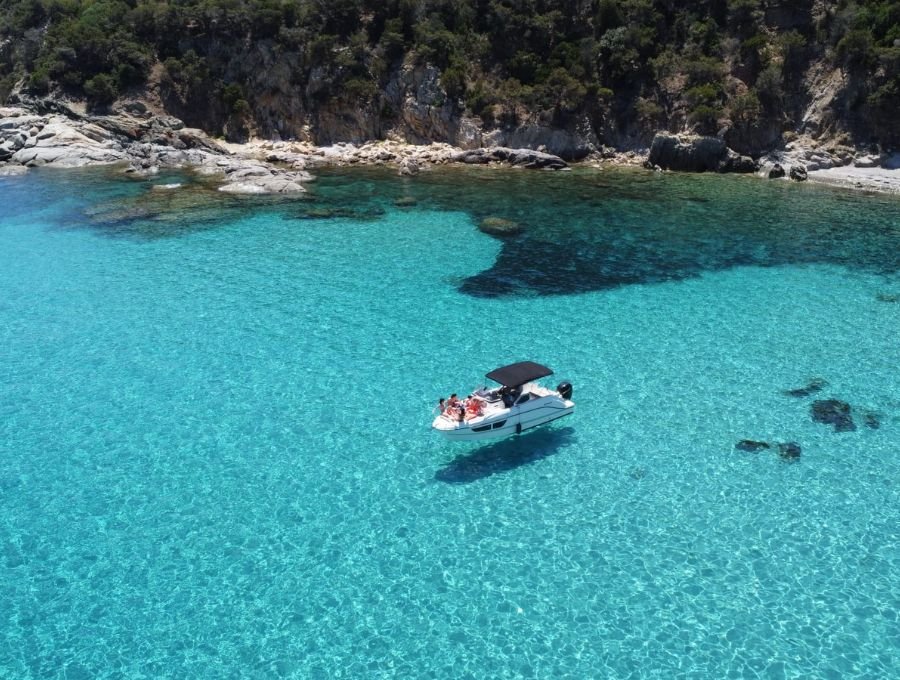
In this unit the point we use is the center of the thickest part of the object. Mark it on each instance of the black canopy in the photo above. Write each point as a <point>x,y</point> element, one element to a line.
<point>518,374</point>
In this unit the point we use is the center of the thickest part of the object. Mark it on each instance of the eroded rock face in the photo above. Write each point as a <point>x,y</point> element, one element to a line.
<point>574,142</point>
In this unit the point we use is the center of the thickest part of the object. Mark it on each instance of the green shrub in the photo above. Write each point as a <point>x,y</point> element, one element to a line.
<point>745,108</point>
<point>453,80</point>
<point>7,83</point>
<point>359,90</point>
<point>707,94</point>
<point>855,50</point>
<point>704,70</point>
<point>101,90</point>
<point>649,113</point>
<point>705,118</point>
<point>770,88</point>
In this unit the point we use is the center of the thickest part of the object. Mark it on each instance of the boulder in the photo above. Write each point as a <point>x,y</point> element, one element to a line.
<point>74,156</point>
<point>798,173</point>
<point>409,167</point>
<point>833,412</point>
<point>264,185</point>
<point>526,158</point>
<point>734,162</point>
<point>776,171</point>
<point>688,153</point>
<point>529,158</point>
<point>498,226</point>
<point>134,108</point>
<point>868,161</point>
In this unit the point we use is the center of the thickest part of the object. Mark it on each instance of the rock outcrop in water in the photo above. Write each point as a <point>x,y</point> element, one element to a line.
<point>54,135</point>
<point>692,153</point>
<point>63,138</point>
<point>499,226</point>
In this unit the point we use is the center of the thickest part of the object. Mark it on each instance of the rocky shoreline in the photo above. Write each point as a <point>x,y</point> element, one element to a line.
<point>56,135</point>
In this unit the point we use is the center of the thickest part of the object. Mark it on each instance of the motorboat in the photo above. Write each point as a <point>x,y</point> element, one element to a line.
<point>519,404</point>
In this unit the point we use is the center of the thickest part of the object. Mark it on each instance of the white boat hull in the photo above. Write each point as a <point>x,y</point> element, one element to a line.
<point>499,421</point>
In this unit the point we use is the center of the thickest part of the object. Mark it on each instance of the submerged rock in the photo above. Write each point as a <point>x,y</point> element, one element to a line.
<point>815,385</point>
<point>498,226</point>
<point>789,450</point>
<point>872,420</point>
<point>405,202</point>
<point>325,213</point>
<point>888,297</point>
<point>833,412</point>
<point>751,446</point>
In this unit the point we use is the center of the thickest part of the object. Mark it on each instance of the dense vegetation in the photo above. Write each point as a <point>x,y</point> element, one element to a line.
<point>627,66</point>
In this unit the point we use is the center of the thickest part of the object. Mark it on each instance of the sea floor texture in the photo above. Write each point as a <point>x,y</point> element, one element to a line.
<point>216,461</point>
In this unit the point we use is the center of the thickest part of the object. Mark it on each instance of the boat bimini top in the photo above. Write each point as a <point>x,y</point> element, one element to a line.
<point>518,374</point>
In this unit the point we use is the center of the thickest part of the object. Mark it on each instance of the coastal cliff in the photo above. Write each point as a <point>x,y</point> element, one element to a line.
<point>573,77</point>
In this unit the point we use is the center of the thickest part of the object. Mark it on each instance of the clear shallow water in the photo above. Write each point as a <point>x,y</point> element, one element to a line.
<point>214,448</point>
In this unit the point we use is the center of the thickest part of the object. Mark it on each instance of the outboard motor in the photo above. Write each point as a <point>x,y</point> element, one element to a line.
<point>565,390</point>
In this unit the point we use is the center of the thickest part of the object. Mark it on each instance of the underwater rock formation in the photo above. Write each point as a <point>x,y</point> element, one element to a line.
<point>872,421</point>
<point>815,385</point>
<point>751,446</point>
<point>498,226</point>
<point>833,412</point>
<point>789,450</point>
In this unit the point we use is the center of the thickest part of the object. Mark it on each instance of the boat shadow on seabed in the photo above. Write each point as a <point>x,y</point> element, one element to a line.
<point>505,455</point>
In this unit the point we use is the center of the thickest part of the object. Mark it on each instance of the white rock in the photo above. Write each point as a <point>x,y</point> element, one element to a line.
<point>66,156</point>
<point>12,170</point>
<point>271,185</point>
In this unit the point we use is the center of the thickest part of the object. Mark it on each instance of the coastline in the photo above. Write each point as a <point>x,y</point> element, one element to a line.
<point>144,143</point>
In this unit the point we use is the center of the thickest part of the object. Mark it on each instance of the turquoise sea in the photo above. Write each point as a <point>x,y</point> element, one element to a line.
<point>216,462</point>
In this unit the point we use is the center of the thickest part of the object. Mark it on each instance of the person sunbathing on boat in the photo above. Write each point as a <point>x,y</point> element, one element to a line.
<point>474,407</point>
